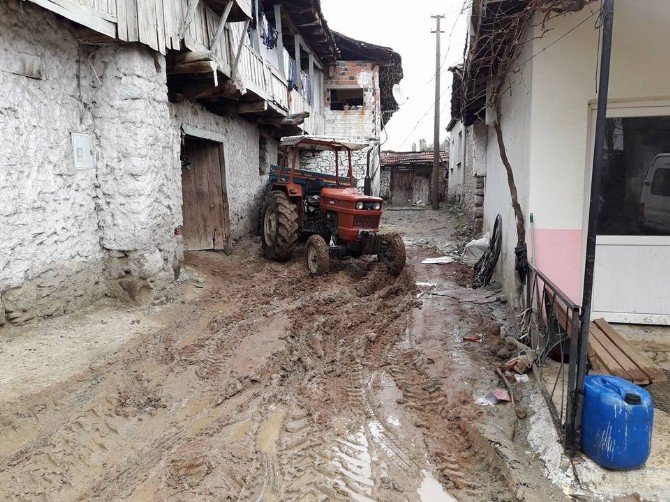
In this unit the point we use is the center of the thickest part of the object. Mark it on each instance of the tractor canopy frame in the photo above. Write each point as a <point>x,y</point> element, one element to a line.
<point>293,144</point>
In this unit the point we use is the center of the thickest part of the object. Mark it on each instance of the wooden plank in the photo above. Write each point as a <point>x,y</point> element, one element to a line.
<point>160,26</point>
<point>146,22</point>
<point>239,51</point>
<point>635,374</point>
<point>215,195</point>
<point>609,363</point>
<point>132,19</point>
<point>188,18</point>
<point>189,201</point>
<point>122,22</point>
<point>647,366</point>
<point>596,363</point>
<point>214,45</point>
<point>80,15</point>
<point>197,132</point>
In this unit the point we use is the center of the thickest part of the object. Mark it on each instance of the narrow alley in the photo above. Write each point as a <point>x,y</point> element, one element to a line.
<point>266,383</point>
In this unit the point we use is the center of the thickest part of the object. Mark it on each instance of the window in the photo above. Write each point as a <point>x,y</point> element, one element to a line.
<point>345,99</point>
<point>636,177</point>
<point>660,185</point>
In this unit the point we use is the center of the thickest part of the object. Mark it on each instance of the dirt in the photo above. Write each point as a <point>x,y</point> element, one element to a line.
<point>261,382</point>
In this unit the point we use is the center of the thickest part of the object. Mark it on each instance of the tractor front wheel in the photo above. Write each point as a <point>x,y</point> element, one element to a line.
<point>318,255</point>
<point>279,226</point>
<point>393,253</point>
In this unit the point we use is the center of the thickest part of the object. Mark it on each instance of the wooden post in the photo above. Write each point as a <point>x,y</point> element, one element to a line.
<point>222,25</point>
<point>280,40</point>
<point>298,71</point>
<point>258,27</point>
<point>233,69</point>
<point>190,14</point>
<point>311,76</point>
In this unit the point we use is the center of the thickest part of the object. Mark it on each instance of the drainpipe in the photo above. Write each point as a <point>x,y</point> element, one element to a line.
<point>579,346</point>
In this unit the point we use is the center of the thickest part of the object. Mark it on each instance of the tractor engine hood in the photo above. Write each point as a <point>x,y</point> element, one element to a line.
<point>349,195</point>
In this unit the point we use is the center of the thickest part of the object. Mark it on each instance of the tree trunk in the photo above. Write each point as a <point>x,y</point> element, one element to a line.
<point>518,213</point>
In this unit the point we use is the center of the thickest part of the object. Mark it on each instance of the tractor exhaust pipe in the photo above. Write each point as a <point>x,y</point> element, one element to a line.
<point>367,186</point>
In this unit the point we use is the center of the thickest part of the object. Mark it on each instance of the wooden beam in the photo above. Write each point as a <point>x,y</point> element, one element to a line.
<point>96,21</point>
<point>190,14</point>
<point>205,90</point>
<point>233,69</point>
<point>189,57</point>
<point>193,67</point>
<point>259,106</point>
<point>198,132</point>
<point>295,119</point>
<point>280,40</point>
<point>214,46</point>
<point>298,70</point>
<point>311,76</point>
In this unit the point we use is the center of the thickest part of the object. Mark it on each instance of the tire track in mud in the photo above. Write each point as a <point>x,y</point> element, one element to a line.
<point>276,388</point>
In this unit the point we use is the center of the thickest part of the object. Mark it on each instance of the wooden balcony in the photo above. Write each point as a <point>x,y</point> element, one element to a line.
<point>202,51</point>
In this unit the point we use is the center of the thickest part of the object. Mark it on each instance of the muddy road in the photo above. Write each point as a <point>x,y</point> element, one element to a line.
<point>264,383</point>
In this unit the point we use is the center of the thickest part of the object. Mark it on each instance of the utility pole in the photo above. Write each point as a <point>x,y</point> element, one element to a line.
<point>435,182</point>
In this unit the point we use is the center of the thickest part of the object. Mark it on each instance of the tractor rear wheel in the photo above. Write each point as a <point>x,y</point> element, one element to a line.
<point>279,226</point>
<point>318,255</point>
<point>393,253</point>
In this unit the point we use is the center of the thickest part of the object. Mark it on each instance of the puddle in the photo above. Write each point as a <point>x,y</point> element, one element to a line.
<point>393,421</point>
<point>431,490</point>
<point>355,465</point>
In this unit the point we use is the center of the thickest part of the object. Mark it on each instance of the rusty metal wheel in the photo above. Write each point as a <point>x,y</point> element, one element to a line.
<point>318,255</point>
<point>393,253</point>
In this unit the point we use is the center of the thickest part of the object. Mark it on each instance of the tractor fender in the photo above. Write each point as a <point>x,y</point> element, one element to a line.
<point>295,195</point>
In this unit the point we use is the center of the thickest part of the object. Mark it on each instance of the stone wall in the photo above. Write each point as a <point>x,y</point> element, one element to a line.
<point>138,206</point>
<point>49,225</point>
<point>467,171</point>
<point>72,235</point>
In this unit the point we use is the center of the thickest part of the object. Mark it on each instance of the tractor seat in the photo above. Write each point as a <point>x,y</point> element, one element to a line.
<point>314,187</point>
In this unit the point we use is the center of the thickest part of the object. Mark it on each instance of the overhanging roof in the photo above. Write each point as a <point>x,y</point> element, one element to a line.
<point>322,143</point>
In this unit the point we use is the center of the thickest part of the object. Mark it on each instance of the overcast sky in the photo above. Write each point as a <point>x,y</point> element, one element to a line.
<point>406,27</point>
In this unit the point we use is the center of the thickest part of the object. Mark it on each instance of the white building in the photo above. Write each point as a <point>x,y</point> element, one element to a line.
<point>547,121</point>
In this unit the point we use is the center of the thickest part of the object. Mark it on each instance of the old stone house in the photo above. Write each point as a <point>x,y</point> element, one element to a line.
<point>467,173</point>
<point>132,131</point>
<point>358,102</point>
<point>406,177</point>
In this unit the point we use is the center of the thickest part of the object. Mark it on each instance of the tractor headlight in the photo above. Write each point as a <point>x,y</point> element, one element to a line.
<point>376,206</point>
<point>360,205</point>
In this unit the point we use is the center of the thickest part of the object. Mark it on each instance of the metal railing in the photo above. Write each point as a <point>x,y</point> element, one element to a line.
<point>551,328</point>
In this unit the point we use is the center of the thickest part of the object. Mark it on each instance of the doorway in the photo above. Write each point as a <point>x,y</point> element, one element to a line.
<point>410,186</point>
<point>206,223</point>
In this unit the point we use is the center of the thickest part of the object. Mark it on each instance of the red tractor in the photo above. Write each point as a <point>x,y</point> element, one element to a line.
<point>328,209</point>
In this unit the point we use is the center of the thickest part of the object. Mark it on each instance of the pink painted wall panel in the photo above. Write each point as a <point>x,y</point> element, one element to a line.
<point>558,254</point>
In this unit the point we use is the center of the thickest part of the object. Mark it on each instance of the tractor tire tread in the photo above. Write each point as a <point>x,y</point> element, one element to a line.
<point>287,226</point>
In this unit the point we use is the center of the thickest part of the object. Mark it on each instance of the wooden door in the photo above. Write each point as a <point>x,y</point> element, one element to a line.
<point>410,186</point>
<point>401,187</point>
<point>205,204</point>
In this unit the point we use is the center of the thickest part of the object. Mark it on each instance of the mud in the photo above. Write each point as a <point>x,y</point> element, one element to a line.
<point>266,383</point>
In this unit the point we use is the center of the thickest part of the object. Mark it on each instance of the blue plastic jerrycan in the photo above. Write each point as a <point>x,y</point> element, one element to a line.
<point>617,422</point>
